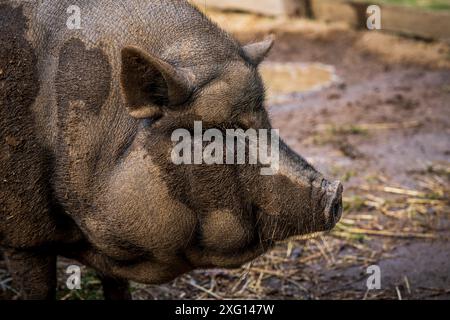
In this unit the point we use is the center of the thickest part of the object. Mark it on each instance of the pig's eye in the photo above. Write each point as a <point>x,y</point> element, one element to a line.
<point>246,122</point>
<point>245,125</point>
<point>242,125</point>
<point>148,122</point>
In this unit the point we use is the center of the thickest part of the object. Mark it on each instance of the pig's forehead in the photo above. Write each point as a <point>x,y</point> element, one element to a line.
<point>243,87</point>
<point>238,87</point>
<point>238,74</point>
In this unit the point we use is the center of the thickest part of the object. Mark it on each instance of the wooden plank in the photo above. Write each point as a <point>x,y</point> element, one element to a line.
<point>410,21</point>
<point>426,24</point>
<point>335,11</point>
<point>265,7</point>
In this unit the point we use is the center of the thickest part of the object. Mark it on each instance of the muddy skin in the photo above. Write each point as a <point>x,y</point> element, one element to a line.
<point>87,118</point>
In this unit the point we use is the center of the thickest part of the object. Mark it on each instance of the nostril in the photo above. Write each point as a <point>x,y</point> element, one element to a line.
<point>336,207</point>
<point>336,210</point>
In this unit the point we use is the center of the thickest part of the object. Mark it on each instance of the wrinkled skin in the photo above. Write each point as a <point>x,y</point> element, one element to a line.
<point>86,123</point>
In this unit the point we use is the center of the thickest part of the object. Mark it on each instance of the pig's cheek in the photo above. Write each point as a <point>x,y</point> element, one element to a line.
<point>171,228</point>
<point>222,230</point>
<point>137,208</point>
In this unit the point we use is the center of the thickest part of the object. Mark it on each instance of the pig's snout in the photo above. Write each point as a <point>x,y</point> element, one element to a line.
<point>333,209</point>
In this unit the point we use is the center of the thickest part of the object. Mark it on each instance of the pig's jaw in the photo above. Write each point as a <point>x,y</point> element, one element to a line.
<point>201,259</point>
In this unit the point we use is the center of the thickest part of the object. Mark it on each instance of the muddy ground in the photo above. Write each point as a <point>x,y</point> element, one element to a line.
<point>384,125</point>
<point>384,129</point>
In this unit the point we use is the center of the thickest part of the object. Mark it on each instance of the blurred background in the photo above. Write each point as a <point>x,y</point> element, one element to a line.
<point>368,107</point>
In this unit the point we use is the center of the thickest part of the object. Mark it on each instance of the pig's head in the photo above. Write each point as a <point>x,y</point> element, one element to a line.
<point>186,216</point>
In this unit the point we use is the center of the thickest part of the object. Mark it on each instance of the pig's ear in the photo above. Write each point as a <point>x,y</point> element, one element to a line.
<point>256,52</point>
<point>149,83</point>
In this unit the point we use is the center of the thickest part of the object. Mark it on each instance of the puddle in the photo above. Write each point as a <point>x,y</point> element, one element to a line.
<point>283,80</point>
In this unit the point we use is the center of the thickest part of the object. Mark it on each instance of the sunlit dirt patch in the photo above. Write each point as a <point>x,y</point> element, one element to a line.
<point>284,79</point>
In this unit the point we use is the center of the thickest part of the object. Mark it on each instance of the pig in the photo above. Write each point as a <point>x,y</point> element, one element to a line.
<point>87,112</point>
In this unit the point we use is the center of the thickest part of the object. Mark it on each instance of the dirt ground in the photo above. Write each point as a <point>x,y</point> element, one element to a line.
<point>384,130</point>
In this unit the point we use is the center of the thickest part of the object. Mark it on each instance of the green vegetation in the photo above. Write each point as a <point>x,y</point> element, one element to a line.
<point>91,288</point>
<point>347,129</point>
<point>426,4</point>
